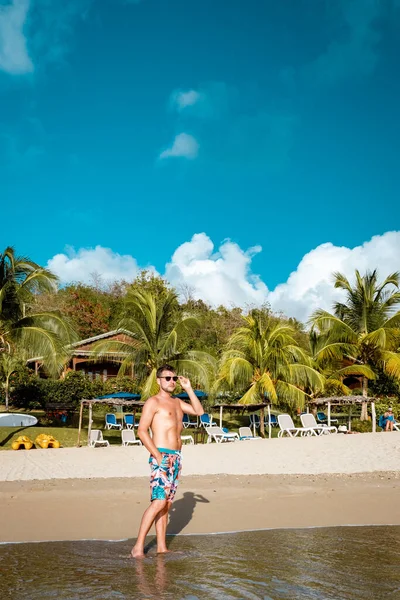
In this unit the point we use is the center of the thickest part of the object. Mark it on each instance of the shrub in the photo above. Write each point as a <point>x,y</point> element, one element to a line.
<point>31,392</point>
<point>361,426</point>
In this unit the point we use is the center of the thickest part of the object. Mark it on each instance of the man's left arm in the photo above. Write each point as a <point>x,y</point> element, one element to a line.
<point>195,407</point>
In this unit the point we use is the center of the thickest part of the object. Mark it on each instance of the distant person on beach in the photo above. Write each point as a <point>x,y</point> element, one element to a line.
<point>163,415</point>
<point>387,420</point>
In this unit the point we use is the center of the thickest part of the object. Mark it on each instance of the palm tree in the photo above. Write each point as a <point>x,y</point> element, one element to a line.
<point>334,370</point>
<point>263,360</point>
<point>158,334</point>
<point>44,334</point>
<point>9,364</point>
<point>363,331</point>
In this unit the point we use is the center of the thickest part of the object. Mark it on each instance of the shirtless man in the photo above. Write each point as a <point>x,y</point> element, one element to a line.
<point>163,415</point>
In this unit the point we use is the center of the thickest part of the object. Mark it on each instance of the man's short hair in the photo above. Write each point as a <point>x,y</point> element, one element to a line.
<point>163,368</point>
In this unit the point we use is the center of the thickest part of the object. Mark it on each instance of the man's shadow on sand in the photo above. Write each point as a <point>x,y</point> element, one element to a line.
<point>180,515</point>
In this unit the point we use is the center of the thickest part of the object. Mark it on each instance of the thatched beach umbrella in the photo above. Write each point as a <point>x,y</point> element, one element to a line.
<point>112,401</point>
<point>245,407</point>
<point>349,401</point>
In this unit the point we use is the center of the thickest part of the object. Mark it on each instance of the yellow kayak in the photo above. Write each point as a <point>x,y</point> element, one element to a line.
<point>47,441</point>
<point>22,441</point>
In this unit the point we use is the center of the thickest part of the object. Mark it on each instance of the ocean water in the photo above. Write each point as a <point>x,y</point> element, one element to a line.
<point>315,564</point>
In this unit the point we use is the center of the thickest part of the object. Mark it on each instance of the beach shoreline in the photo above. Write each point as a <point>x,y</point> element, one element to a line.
<point>101,493</point>
<point>110,509</point>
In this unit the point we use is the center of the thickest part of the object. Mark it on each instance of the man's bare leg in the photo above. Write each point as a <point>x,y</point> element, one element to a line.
<point>161,523</point>
<point>147,521</point>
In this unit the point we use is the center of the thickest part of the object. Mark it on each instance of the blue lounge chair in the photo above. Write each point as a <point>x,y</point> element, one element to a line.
<point>207,421</point>
<point>129,421</point>
<point>254,420</point>
<point>187,422</point>
<point>111,421</point>
<point>322,418</point>
<point>273,421</point>
<point>382,423</point>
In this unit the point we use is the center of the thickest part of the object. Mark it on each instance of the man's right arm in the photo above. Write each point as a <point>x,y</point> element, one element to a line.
<point>148,412</point>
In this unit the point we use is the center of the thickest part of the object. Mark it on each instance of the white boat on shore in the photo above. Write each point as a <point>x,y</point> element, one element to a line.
<point>17,420</point>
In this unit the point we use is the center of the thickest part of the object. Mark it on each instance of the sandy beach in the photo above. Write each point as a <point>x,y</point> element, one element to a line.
<point>111,508</point>
<point>81,493</point>
<point>329,454</point>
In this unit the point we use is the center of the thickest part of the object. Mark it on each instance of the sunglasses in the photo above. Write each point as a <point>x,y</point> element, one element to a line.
<point>168,378</point>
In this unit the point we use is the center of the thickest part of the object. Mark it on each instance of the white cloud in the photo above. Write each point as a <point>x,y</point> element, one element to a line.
<point>225,276</point>
<point>184,145</point>
<point>81,265</point>
<point>181,100</point>
<point>14,57</point>
<point>310,286</point>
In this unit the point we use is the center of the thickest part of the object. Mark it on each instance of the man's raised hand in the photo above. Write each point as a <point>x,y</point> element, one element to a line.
<point>185,383</point>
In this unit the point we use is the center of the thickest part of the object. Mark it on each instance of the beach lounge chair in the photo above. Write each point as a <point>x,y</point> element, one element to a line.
<point>96,439</point>
<point>207,421</point>
<point>245,433</point>
<point>287,427</point>
<point>254,420</point>
<point>273,419</point>
<point>382,423</point>
<point>308,421</point>
<point>129,438</point>
<point>322,418</point>
<point>129,421</point>
<point>219,435</point>
<point>187,438</point>
<point>111,421</point>
<point>189,421</point>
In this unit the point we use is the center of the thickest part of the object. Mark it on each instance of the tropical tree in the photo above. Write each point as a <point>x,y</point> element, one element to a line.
<point>263,360</point>
<point>10,363</point>
<point>334,370</point>
<point>363,331</point>
<point>157,334</point>
<point>44,334</point>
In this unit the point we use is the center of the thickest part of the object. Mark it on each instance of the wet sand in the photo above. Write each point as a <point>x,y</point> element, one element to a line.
<point>72,509</point>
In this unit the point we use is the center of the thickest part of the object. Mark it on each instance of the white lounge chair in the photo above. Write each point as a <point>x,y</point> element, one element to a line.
<point>96,439</point>
<point>129,438</point>
<point>187,438</point>
<point>287,427</point>
<point>245,433</point>
<point>308,421</point>
<point>219,435</point>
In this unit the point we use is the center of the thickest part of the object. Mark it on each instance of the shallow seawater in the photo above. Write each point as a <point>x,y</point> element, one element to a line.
<point>314,564</point>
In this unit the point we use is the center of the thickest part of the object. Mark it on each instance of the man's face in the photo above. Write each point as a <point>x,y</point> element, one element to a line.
<point>165,384</point>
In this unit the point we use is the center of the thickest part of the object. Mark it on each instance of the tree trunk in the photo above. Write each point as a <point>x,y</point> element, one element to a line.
<point>364,405</point>
<point>7,392</point>
<point>262,430</point>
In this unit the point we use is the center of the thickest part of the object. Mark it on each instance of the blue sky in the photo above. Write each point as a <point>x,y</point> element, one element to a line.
<point>132,126</point>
